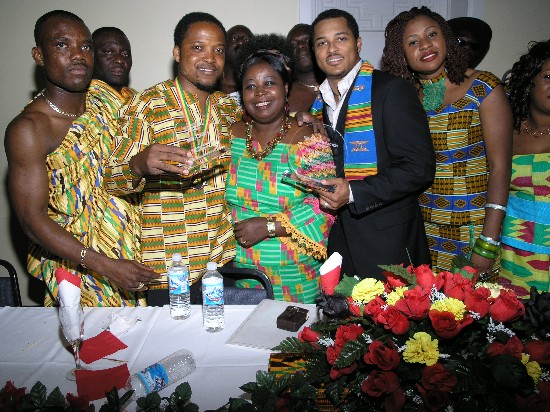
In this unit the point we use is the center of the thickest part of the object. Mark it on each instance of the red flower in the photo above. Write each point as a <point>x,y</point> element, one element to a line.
<point>335,373</point>
<point>394,280</point>
<point>354,308</point>
<point>434,400</point>
<point>426,278</point>
<point>536,402</point>
<point>10,394</point>
<point>80,403</point>
<point>513,347</point>
<point>395,401</point>
<point>374,307</point>
<point>383,355</point>
<point>454,285</point>
<point>478,300</point>
<point>507,307</point>
<point>438,377</point>
<point>346,333</point>
<point>538,351</point>
<point>416,303</point>
<point>379,383</point>
<point>310,336</point>
<point>393,320</point>
<point>332,354</point>
<point>445,324</point>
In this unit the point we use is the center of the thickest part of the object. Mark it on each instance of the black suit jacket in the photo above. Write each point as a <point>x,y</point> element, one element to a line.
<point>384,224</point>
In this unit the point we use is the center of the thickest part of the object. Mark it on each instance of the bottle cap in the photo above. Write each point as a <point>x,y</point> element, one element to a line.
<point>176,257</point>
<point>211,266</point>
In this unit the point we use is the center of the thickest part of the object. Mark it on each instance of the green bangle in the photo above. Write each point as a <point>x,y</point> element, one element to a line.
<point>487,246</point>
<point>484,253</point>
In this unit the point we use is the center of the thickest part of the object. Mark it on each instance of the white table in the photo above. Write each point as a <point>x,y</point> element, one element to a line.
<point>32,349</point>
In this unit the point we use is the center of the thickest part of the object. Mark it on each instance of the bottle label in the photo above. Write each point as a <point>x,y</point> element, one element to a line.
<point>212,293</point>
<point>154,378</point>
<point>178,282</point>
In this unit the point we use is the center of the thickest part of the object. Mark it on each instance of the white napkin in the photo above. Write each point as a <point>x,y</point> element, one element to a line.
<point>330,272</point>
<point>68,291</point>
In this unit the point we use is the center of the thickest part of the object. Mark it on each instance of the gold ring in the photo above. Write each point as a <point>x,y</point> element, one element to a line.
<point>140,286</point>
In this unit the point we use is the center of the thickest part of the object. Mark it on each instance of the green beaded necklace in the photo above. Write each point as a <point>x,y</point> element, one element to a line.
<point>434,91</point>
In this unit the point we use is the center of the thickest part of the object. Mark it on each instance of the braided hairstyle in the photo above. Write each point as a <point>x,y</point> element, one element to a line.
<point>520,83</point>
<point>393,58</point>
<point>273,49</point>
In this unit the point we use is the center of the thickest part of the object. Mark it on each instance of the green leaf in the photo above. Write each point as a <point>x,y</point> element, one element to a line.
<point>401,272</point>
<point>56,398</point>
<point>346,285</point>
<point>350,353</point>
<point>292,345</point>
<point>240,405</point>
<point>38,394</point>
<point>183,390</point>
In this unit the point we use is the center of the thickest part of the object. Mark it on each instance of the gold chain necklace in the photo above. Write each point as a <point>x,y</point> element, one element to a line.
<point>270,145</point>
<point>54,107</point>
<point>313,87</point>
<point>536,133</point>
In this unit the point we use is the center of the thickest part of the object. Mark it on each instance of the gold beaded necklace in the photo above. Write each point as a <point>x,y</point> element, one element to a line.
<point>535,133</point>
<point>270,145</point>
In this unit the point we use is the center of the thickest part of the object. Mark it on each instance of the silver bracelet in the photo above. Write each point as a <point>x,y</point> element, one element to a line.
<point>489,240</point>
<point>496,206</point>
<point>83,256</point>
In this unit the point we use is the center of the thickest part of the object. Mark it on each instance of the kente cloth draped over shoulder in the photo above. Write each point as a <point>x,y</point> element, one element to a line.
<point>359,141</point>
<point>180,215</point>
<point>255,189</point>
<point>79,203</point>
<point>525,256</point>
<point>453,207</point>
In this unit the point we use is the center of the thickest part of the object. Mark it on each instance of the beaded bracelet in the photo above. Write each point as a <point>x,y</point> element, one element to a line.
<point>484,253</point>
<point>487,246</point>
<point>83,256</point>
<point>496,206</point>
<point>489,240</point>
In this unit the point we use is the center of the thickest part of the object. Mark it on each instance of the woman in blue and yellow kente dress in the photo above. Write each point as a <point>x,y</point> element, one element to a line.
<point>279,226</point>
<point>471,126</point>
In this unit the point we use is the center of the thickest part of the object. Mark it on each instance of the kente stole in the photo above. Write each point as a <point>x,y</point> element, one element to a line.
<point>359,143</point>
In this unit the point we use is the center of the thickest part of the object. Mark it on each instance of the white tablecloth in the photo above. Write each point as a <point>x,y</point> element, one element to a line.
<point>32,349</point>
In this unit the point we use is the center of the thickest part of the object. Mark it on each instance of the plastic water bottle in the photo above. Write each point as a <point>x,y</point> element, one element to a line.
<point>178,281</point>
<point>161,374</point>
<point>212,299</point>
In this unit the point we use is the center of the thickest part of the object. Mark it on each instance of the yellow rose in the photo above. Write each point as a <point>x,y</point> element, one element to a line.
<point>367,290</point>
<point>421,348</point>
<point>533,368</point>
<point>455,306</point>
<point>395,295</point>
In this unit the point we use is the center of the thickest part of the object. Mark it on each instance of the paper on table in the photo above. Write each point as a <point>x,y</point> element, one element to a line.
<point>68,289</point>
<point>259,330</point>
<point>118,325</point>
<point>330,273</point>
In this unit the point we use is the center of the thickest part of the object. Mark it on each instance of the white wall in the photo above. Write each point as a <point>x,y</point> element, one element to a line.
<point>149,26</point>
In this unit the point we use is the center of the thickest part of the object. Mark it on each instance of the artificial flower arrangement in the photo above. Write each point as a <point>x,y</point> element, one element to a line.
<point>422,341</point>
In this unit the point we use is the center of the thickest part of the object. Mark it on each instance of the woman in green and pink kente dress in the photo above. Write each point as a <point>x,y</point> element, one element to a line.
<point>279,226</point>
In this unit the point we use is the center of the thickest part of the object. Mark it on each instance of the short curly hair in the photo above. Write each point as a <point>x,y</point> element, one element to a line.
<point>182,28</point>
<point>273,49</point>
<point>393,57</point>
<point>520,83</point>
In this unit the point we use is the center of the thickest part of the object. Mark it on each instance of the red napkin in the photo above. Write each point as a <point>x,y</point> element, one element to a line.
<point>100,346</point>
<point>94,383</point>
<point>63,274</point>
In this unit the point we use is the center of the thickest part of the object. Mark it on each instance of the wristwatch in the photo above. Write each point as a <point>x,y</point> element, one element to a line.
<point>271,226</point>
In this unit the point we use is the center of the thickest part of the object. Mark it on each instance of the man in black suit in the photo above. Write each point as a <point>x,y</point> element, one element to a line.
<point>382,149</point>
